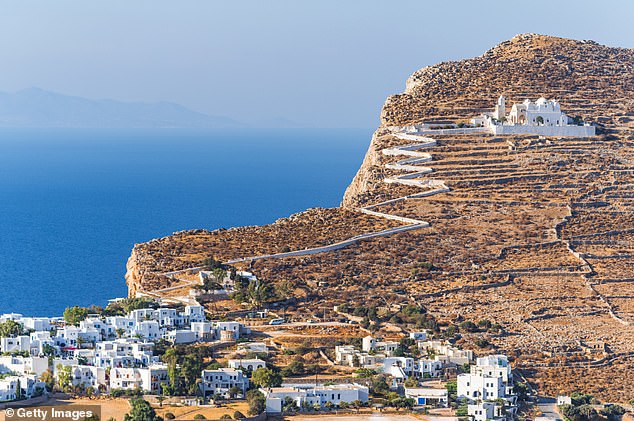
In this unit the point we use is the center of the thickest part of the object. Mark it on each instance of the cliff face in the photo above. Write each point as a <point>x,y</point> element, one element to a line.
<point>588,79</point>
<point>134,273</point>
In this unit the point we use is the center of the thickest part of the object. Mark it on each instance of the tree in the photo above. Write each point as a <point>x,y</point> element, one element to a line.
<point>74,315</point>
<point>468,326</point>
<point>539,119</point>
<point>120,332</point>
<point>48,350</point>
<point>18,390</point>
<point>64,376</point>
<point>214,281</point>
<point>141,411</point>
<point>295,368</point>
<point>49,379</point>
<point>265,377</point>
<point>613,412</point>
<point>10,329</point>
<point>379,386</point>
<point>452,390</point>
<point>521,390</point>
<point>171,358</point>
<point>411,382</point>
<point>210,263</point>
<point>234,391</point>
<point>238,415</point>
<point>256,402</point>
<point>190,369</point>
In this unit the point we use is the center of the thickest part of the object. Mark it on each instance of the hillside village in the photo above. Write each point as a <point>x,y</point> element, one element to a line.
<point>115,355</point>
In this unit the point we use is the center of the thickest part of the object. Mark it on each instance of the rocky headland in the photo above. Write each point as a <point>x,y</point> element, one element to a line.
<point>534,234</point>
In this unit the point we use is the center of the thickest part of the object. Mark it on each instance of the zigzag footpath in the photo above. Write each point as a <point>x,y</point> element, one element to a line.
<point>414,176</point>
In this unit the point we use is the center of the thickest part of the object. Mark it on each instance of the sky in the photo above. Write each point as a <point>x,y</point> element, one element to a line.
<point>318,63</point>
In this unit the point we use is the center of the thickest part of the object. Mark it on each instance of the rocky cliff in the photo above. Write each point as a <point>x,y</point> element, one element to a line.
<point>589,80</point>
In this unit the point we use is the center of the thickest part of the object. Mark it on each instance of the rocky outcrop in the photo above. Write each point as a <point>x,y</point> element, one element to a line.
<point>589,80</point>
<point>134,273</point>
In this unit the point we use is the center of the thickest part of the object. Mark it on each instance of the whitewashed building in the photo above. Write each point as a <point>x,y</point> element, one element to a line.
<point>249,365</point>
<point>16,344</point>
<point>312,395</point>
<point>148,379</point>
<point>23,365</point>
<point>222,380</point>
<point>13,387</point>
<point>437,397</point>
<point>542,117</point>
<point>483,411</point>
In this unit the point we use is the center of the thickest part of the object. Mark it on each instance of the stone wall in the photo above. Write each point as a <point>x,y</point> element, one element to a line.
<point>553,131</point>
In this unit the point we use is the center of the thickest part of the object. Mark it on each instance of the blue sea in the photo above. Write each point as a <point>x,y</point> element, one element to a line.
<point>74,202</point>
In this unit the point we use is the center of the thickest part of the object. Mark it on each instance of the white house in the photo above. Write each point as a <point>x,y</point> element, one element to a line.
<point>180,336</point>
<point>220,381</point>
<point>204,331</point>
<point>425,368</point>
<point>28,385</point>
<point>229,327</point>
<point>83,375</point>
<point>249,365</point>
<point>476,386</point>
<point>124,353</point>
<point>23,365</point>
<point>405,364</point>
<point>36,323</point>
<point>496,366</point>
<point>437,397</point>
<point>17,344</point>
<point>40,340</point>
<point>194,314</point>
<point>445,352</point>
<point>148,329</point>
<point>120,323</point>
<point>483,411</point>
<point>418,336</point>
<point>314,395</point>
<point>371,344</point>
<point>490,379</point>
<point>148,379</point>
<point>564,400</point>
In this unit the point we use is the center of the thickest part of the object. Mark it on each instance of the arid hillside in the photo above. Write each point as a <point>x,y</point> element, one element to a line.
<point>534,234</point>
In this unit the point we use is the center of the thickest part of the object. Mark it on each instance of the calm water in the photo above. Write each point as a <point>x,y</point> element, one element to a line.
<point>74,202</point>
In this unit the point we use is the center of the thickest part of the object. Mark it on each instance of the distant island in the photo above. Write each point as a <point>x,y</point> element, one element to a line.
<point>38,108</point>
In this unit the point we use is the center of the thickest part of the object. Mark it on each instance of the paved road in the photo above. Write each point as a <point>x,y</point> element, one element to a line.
<point>548,407</point>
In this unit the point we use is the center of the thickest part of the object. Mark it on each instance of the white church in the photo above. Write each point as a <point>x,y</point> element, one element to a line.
<point>542,117</point>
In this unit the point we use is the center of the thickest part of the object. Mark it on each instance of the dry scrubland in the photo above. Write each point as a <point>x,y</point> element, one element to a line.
<point>536,234</point>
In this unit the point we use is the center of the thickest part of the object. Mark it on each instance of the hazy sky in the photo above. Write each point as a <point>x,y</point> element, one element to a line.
<point>320,63</point>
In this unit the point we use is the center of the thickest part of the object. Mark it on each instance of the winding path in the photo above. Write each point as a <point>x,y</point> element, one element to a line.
<point>414,176</point>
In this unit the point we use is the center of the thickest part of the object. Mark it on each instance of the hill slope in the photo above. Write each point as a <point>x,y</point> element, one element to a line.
<point>536,235</point>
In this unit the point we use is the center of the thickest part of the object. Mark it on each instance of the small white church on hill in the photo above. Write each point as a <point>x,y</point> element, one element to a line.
<point>542,117</point>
